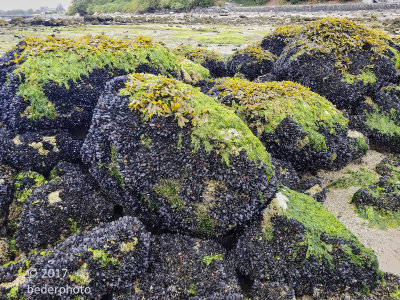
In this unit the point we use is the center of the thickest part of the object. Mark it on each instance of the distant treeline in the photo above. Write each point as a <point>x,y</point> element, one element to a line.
<point>18,12</point>
<point>106,6</point>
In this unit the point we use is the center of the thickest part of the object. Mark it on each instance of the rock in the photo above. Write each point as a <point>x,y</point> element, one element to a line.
<point>378,117</point>
<point>105,260</point>
<point>339,59</point>
<point>55,82</point>
<point>252,62</point>
<point>207,271</point>
<point>39,151</point>
<point>280,38</point>
<point>379,203</point>
<point>313,187</point>
<point>194,165</point>
<point>285,173</point>
<point>271,291</point>
<point>295,124</point>
<point>56,209</point>
<point>299,244</point>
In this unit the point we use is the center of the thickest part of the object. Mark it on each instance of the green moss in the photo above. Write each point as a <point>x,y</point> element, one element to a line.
<point>65,60</point>
<point>23,195</point>
<point>75,229</point>
<point>382,122</point>
<point>145,140</point>
<point>170,189</point>
<point>113,167</point>
<point>102,256</point>
<point>192,72</point>
<point>205,223</point>
<point>198,55</point>
<point>317,220</point>
<point>362,144</point>
<point>362,178</point>
<point>82,276</point>
<point>213,126</point>
<point>379,218</point>
<point>210,258</point>
<point>339,38</point>
<point>395,295</point>
<point>13,293</point>
<point>265,105</point>
<point>192,290</point>
<point>366,77</point>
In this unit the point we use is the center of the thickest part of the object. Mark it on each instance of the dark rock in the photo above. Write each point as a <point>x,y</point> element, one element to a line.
<point>187,268</point>
<point>313,187</point>
<point>252,62</point>
<point>179,172</point>
<point>69,203</point>
<point>105,260</point>
<point>299,244</point>
<point>339,59</point>
<point>295,124</point>
<point>39,151</point>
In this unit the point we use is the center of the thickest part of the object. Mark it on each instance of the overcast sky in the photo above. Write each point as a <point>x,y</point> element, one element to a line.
<point>26,4</point>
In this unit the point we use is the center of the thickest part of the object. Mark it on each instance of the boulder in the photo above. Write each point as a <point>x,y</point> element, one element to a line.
<point>67,204</point>
<point>39,151</point>
<point>378,117</point>
<point>339,59</point>
<point>188,268</point>
<point>379,203</point>
<point>55,82</point>
<point>184,160</point>
<point>298,244</point>
<point>105,260</point>
<point>294,123</point>
<point>252,62</point>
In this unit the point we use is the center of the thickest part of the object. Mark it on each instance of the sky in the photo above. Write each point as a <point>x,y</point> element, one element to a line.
<point>35,4</point>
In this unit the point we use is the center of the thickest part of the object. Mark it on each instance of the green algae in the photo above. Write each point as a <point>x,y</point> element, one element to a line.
<point>212,125</point>
<point>318,221</point>
<point>264,105</point>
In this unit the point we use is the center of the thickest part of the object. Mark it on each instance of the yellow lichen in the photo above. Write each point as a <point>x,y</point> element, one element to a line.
<point>129,246</point>
<point>17,141</point>
<point>54,197</point>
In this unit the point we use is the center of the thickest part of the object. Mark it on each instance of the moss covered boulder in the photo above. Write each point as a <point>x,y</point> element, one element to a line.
<point>378,117</point>
<point>339,59</point>
<point>55,82</point>
<point>379,203</point>
<point>294,123</point>
<point>39,151</point>
<point>190,162</point>
<point>56,209</point>
<point>187,268</point>
<point>100,262</point>
<point>300,245</point>
<point>210,59</point>
<point>252,62</point>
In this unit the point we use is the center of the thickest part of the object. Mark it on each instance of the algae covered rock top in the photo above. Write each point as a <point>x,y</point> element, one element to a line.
<point>339,59</point>
<point>196,166</point>
<point>299,243</point>
<point>62,78</point>
<point>293,122</point>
